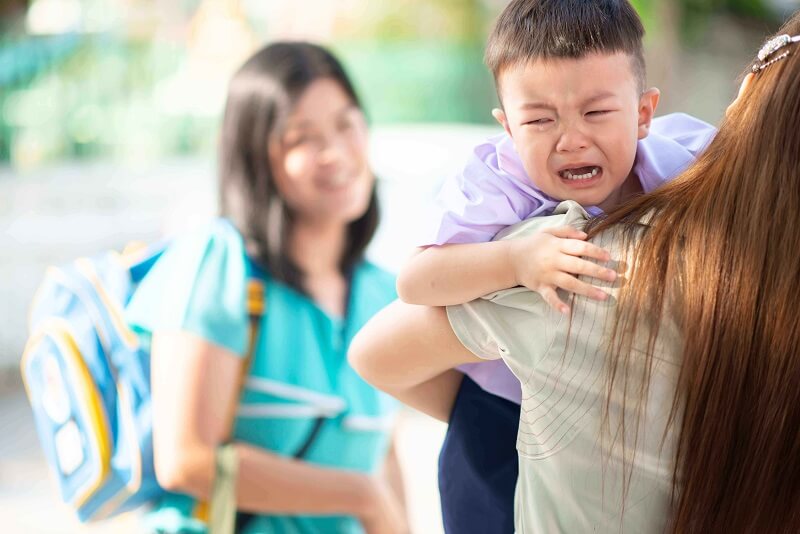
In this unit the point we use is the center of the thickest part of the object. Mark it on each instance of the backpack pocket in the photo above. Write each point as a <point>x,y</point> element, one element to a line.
<point>71,416</point>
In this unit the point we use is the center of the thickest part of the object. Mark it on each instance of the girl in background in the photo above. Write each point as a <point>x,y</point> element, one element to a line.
<point>298,208</point>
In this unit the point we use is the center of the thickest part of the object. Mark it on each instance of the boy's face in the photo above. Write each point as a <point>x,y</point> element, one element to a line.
<point>575,123</point>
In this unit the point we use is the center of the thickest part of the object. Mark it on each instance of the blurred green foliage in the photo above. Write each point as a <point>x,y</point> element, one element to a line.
<point>101,94</point>
<point>91,95</point>
<point>450,21</point>
<point>420,82</point>
<point>694,16</point>
<point>421,60</point>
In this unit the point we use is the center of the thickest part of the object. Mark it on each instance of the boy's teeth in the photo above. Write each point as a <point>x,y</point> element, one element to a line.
<point>585,176</point>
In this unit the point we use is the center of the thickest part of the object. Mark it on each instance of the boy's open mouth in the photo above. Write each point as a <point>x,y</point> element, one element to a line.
<point>580,173</point>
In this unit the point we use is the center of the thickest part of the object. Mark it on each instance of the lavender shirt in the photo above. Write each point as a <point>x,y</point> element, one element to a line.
<point>494,191</point>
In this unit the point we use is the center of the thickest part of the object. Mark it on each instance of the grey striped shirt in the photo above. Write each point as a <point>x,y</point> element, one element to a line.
<point>571,473</point>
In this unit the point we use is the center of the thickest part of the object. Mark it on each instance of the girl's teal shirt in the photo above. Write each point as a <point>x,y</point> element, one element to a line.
<point>299,370</point>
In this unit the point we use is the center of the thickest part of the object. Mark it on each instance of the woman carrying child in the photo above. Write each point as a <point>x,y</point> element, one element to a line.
<point>578,121</point>
<point>670,405</point>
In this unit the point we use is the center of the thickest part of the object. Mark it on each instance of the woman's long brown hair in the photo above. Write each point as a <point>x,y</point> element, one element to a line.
<point>722,249</point>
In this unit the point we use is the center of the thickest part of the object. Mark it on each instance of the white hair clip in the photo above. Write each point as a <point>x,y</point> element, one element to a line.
<point>772,46</point>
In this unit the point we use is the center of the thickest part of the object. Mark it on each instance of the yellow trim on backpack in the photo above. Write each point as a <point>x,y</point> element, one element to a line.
<point>135,481</point>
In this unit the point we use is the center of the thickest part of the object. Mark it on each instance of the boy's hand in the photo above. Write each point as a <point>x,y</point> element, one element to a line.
<point>551,259</point>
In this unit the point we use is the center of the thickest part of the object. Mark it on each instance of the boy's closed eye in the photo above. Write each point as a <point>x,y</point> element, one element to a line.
<point>537,122</point>
<point>599,112</point>
<point>546,120</point>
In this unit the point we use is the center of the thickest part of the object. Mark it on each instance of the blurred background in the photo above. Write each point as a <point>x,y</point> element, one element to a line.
<point>109,112</point>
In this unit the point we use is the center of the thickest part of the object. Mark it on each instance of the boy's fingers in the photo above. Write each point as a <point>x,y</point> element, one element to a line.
<point>573,285</point>
<point>551,298</point>
<point>578,266</point>
<point>566,232</point>
<point>574,247</point>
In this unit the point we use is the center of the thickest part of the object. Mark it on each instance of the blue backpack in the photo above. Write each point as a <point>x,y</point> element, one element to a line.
<point>88,381</point>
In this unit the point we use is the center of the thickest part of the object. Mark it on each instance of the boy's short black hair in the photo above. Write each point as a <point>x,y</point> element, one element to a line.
<point>528,30</point>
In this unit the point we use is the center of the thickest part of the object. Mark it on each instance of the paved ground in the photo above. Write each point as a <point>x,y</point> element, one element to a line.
<point>29,502</point>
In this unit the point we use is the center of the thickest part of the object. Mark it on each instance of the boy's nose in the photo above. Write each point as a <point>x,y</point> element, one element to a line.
<point>571,140</point>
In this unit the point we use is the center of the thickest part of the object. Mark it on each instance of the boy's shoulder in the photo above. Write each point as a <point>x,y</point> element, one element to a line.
<point>683,131</point>
<point>681,125</point>
<point>493,166</point>
<point>674,142</point>
<point>493,154</point>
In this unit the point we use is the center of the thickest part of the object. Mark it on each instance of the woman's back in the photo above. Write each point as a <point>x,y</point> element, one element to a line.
<point>723,247</point>
<point>570,475</point>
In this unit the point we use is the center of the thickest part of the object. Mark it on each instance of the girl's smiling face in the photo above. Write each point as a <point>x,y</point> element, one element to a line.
<point>319,160</point>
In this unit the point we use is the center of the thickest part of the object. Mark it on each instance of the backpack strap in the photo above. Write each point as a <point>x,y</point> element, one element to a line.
<point>220,512</point>
<point>256,307</point>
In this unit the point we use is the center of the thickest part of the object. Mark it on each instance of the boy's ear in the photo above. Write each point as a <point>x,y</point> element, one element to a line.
<point>647,109</point>
<point>500,116</point>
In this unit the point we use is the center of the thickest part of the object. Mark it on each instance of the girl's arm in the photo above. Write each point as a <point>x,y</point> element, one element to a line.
<point>193,389</point>
<point>409,352</point>
<point>454,274</point>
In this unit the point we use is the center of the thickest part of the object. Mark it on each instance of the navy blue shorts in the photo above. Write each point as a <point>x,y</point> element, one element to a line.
<point>478,463</point>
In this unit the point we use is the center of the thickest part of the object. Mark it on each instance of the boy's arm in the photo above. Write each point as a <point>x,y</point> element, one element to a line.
<point>470,208</point>
<point>433,397</point>
<point>454,274</point>
<point>408,351</point>
<point>550,259</point>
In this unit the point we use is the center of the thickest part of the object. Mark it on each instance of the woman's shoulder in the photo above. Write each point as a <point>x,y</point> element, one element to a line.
<point>621,239</point>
